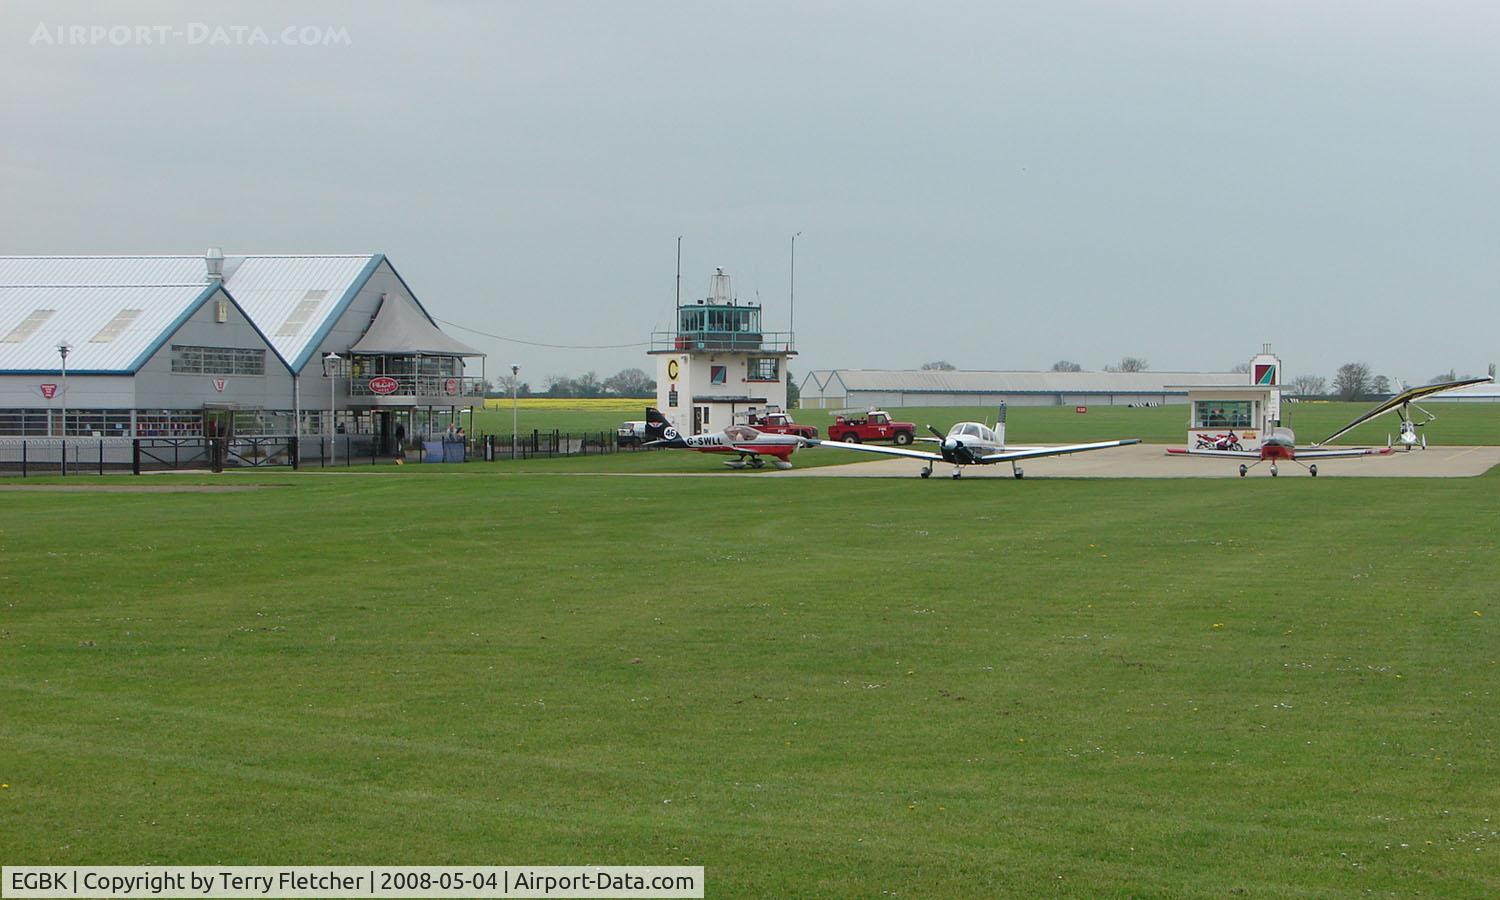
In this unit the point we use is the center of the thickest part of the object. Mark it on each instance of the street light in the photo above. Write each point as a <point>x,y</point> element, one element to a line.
<point>63,350</point>
<point>515,386</point>
<point>330,368</point>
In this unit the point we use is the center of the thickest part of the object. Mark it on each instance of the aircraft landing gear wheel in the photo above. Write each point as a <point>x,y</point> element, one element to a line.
<point>1274,473</point>
<point>1020,473</point>
<point>927,471</point>
<point>958,473</point>
<point>1244,470</point>
<point>1313,470</point>
<point>757,463</point>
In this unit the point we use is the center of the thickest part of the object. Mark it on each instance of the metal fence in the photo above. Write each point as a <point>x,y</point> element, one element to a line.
<point>548,444</point>
<point>99,456</point>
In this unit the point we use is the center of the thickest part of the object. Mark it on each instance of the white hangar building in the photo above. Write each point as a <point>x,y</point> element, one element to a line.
<point>166,345</point>
<point>862,388</point>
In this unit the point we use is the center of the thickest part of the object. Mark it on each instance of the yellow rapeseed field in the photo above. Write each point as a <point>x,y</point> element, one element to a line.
<point>592,404</point>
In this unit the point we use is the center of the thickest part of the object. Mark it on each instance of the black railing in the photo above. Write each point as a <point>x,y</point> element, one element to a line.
<point>100,456</point>
<point>548,444</point>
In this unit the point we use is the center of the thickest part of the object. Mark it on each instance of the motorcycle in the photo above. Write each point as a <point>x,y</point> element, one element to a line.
<point>1228,441</point>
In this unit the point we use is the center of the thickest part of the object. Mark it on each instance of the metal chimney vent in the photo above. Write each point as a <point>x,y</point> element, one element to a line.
<point>215,261</point>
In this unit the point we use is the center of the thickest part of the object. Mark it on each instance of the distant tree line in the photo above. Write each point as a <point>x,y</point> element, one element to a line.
<point>1356,381</point>
<point>625,383</point>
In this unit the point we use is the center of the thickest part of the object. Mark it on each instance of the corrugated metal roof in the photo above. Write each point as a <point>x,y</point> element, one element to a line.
<point>268,287</point>
<point>971,382</point>
<point>102,271</point>
<point>82,312</point>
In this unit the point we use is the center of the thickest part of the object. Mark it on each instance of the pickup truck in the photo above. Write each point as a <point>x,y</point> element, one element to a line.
<point>875,425</point>
<point>780,423</point>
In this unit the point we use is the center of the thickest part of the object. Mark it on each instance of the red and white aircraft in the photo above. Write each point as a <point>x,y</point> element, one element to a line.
<point>1282,443</point>
<point>1281,446</point>
<point>751,446</point>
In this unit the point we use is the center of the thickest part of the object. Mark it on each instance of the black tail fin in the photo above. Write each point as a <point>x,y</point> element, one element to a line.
<point>657,425</point>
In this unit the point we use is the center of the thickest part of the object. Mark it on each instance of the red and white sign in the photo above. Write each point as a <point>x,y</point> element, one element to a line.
<point>49,391</point>
<point>451,386</point>
<point>384,384</point>
<point>1080,409</point>
<point>219,384</point>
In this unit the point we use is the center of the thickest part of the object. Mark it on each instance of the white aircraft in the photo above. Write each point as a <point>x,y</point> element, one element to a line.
<point>974,444</point>
<point>1402,405</point>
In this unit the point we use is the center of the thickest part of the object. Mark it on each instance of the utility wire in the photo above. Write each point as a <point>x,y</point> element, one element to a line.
<point>501,337</point>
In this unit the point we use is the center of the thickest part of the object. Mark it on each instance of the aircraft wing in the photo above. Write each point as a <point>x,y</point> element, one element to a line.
<point>888,451</point>
<point>1234,454</point>
<point>1407,396</point>
<point>1034,452</point>
<point>1321,453</point>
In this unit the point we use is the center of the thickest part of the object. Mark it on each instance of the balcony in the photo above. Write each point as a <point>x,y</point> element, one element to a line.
<point>422,390</point>
<point>728,341</point>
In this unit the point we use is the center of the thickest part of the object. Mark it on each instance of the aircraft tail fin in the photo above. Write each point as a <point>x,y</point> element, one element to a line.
<point>1000,424</point>
<point>657,426</point>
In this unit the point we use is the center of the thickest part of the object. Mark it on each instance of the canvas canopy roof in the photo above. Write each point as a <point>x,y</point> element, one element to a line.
<point>399,328</point>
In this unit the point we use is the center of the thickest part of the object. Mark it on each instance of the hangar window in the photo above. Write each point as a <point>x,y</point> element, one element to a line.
<point>1223,414</point>
<point>169,422</point>
<point>24,421</point>
<point>761,368</point>
<point>187,360</point>
<point>99,422</point>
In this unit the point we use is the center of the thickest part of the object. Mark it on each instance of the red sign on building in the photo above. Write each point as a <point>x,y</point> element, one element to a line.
<point>49,391</point>
<point>451,386</point>
<point>219,384</point>
<point>384,384</point>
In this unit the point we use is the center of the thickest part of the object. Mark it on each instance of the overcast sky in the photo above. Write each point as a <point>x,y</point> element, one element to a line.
<point>996,184</point>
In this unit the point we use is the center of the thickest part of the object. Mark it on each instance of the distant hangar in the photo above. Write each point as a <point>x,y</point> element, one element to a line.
<point>861,388</point>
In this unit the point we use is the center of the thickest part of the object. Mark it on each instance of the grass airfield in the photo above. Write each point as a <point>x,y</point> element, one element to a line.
<point>812,687</point>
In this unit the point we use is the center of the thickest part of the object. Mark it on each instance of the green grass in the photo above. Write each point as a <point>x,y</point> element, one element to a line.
<point>836,688</point>
<point>1457,423</point>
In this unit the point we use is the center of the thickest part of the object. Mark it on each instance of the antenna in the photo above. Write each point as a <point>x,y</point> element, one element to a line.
<point>792,299</point>
<point>679,270</point>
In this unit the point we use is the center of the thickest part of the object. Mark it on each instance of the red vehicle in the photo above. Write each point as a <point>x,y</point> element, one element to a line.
<point>779,423</point>
<point>875,425</point>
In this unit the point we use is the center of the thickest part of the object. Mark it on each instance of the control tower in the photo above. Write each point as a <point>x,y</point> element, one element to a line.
<point>719,361</point>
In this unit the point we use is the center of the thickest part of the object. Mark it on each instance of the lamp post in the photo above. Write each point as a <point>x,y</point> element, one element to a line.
<point>515,387</point>
<point>792,325</point>
<point>63,350</point>
<point>330,368</point>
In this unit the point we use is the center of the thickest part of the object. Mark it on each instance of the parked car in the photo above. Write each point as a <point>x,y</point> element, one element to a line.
<point>630,433</point>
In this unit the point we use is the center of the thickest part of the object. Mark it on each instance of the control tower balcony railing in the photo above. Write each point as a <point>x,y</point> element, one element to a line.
<point>734,341</point>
